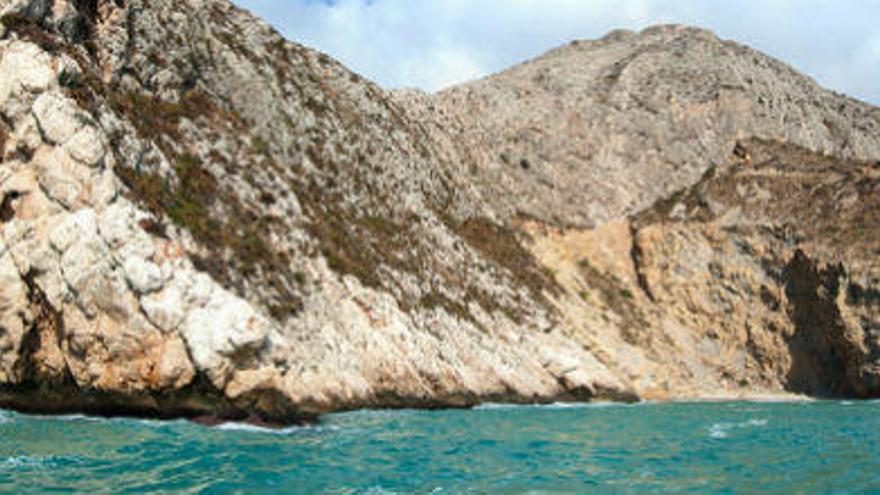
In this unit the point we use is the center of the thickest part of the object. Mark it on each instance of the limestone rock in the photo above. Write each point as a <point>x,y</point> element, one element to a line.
<point>600,129</point>
<point>200,217</point>
<point>13,297</point>
<point>59,117</point>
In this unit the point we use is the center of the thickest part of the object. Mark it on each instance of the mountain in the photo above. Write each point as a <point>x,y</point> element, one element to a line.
<point>200,218</point>
<point>597,130</point>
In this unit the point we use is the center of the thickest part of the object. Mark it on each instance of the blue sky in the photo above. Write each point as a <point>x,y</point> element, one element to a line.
<point>432,44</point>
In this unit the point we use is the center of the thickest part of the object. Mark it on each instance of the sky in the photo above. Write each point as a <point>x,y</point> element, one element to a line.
<point>432,44</point>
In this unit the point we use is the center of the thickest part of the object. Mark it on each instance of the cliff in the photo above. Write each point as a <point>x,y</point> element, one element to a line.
<point>202,218</point>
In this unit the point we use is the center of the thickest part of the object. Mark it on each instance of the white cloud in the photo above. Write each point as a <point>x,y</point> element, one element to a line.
<point>435,43</point>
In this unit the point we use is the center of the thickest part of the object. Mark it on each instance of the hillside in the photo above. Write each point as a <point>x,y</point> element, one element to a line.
<point>596,130</point>
<point>200,218</point>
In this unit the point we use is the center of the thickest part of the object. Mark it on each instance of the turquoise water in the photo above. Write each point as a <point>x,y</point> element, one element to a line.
<point>645,448</point>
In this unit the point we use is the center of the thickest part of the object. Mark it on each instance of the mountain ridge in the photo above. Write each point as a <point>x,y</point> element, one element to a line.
<point>634,84</point>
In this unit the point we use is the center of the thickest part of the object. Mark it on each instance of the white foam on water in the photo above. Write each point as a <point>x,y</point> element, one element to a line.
<point>378,490</point>
<point>577,405</point>
<point>76,418</point>
<point>501,406</point>
<point>718,430</point>
<point>153,423</point>
<point>26,461</point>
<point>722,430</point>
<point>64,418</point>
<point>249,428</point>
<point>489,406</point>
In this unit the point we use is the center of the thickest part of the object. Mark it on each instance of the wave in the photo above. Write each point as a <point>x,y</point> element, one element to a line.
<point>32,462</point>
<point>722,430</point>
<point>560,405</point>
<point>73,418</point>
<point>8,416</point>
<point>125,420</point>
<point>378,490</point>
<point>249,428</point>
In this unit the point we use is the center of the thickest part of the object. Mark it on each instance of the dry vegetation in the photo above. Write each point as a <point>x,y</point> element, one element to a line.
<point>619,299</point>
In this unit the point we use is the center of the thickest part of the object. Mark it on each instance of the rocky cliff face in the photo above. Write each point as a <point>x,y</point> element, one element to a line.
<point>201,218</point>
<point>757,277</point>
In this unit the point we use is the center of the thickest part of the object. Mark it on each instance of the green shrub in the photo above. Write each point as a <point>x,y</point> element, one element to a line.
<point>260,146</point>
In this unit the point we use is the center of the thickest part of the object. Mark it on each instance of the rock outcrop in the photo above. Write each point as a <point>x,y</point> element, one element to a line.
<point>757,277</point>
<point>201,218</point>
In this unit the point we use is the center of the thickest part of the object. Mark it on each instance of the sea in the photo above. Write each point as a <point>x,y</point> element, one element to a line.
<point>730,447</point>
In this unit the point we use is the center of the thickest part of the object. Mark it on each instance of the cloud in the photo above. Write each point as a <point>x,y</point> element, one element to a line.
<point>432,44</point>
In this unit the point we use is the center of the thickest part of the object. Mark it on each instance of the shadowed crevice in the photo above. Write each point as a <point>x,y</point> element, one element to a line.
<point>824,362</point>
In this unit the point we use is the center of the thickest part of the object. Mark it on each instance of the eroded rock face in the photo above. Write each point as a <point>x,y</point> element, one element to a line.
<point>200,218</point>
<point>757,277</point>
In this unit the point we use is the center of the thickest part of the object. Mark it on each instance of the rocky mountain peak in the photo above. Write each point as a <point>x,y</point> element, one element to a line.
<point>600,129</point>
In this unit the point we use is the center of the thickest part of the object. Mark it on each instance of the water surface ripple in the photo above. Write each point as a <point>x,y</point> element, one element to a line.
<point>809,447</point>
